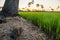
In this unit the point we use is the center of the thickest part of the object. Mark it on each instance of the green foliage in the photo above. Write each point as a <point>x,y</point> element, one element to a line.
<point>46,21</point>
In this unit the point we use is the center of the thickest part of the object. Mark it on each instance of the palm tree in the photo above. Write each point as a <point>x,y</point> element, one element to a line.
<point>51,8</point>
<point>42,7</point>
<point>58,7</point>
<point>10,7</point>
<point>37,5</point>
<point>29,4</point>
<point>32,2</point>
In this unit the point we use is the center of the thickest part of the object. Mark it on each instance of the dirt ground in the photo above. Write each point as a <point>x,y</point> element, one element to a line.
<point>30,32</point>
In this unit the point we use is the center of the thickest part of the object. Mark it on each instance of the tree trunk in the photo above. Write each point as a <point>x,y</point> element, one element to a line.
<point>10,8</point>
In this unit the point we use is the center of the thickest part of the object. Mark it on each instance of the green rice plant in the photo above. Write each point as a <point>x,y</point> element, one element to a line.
<point>49,22</point>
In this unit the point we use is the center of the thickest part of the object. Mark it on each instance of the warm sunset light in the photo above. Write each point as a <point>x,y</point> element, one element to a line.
<point>48,4</point>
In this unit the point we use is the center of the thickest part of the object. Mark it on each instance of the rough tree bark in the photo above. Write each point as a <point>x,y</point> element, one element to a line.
<point>11,29</point>
<point>10,7</point>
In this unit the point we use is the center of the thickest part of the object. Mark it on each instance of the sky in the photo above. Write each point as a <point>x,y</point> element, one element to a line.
<point>46,3</point>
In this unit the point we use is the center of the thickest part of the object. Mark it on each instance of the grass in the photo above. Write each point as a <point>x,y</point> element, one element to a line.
<point>49,22</point>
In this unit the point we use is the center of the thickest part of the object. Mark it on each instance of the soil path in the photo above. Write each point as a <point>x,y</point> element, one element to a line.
<point>30,32</point>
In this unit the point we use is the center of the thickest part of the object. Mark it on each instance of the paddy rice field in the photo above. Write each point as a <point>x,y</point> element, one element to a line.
<point>49,22</point>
